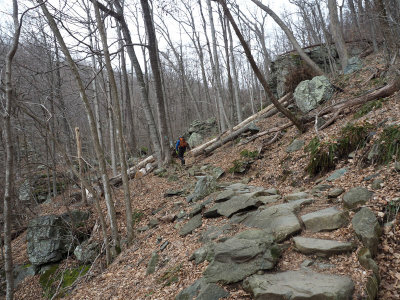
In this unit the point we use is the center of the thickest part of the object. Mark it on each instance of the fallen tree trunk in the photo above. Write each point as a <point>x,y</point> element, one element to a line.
<point>269,111</point>
<point>117,180</point>
<point>250,127</point>
<point>268,131</point>
<point>337,108</point>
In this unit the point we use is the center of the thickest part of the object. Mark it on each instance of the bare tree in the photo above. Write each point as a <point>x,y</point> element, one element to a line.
<point>337,33</point>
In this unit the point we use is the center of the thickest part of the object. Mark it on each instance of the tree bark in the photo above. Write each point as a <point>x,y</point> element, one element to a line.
<point>80,162</point>
<point>337,33</point>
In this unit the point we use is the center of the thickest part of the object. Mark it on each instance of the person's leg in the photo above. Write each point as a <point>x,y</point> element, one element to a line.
<point>181,153</point>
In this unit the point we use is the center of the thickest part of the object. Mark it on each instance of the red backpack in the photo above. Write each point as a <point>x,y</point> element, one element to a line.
<point>182,143</point>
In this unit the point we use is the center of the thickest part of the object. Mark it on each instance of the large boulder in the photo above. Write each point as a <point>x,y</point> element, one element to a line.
<point>204,186</point>
<point>356,196</point>
<point>87,252</point>
<point>195,139</point>
<point>201,290</point>
<point>301,284</point>
<point>241,256</point>
<point>310,93</point>
<point>367,229</point>
<point>51,237</point>
<point>353,64</point>
<point>279,220</point>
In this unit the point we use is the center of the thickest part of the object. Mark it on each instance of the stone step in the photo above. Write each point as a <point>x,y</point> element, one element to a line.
<point>321,247</point>
<point>330,218</point>
<point>303,284</point>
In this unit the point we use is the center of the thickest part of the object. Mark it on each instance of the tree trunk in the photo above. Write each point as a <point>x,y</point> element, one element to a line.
<point>291,37</point>
<point>337,33</point>
<point>80,162</point>
<point>9,167</point>
<point>92,126</point>
<point>258,73</point>
<point>155,67</point>
<point>117,112</point>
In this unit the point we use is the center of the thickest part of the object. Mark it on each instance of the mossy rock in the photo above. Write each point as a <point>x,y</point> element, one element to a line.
<point>171,275</point>
<point>50,279</point>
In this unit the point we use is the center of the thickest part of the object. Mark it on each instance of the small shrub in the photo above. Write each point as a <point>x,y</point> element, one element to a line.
<point>352,137</point>
<point>389,143</point>
<point>322,157</point>
<point>249,154</point>
<point>237,167</point>
<point>367,107</point>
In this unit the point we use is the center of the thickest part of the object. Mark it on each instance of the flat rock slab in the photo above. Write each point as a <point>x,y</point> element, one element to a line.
<point>296,145</point>
<point>193,223</point>
<point>201,290</point>
<point>241,256</point>
<point>321,247</point>
<point>336,192</point>
<point>303,284</point>
<point>337,174</point>
<point>367,229</point>
<point>356,196</point>
<point>326,219</point>
<point>278,220</point>
<point>296,196</point>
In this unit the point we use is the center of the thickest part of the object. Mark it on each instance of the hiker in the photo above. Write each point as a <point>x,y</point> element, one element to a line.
<point>180,148</point>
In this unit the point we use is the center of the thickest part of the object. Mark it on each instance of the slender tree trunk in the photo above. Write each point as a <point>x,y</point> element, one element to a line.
<point>291,37</point>
<point>117,112</point>
<point>354,15</point>
<point>216,70</point>
<point>337,33</point>
<point>9,167</point>
<point>118,15</point>
<point>92,126</point>
<point>155,67</point>
<point>257,71</point>
<point>80,162</point>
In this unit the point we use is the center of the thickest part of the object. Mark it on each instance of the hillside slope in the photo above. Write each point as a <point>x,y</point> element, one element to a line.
<point>126,278</point>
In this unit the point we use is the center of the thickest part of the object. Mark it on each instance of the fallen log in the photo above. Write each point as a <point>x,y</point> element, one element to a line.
<point>248,128</point>
<point>268,131</point>
<point>117,180</point>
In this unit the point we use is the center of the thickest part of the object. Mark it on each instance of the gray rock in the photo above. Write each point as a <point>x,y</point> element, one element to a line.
<point>51,237</point>
<point>336,192</point>
<point>164,245</point>
<point>214,232</point>
<point>353,64</point>
<point>181,214</point>
<point>397,166</point>
<point>241,256</point>
<point>159,171</point>
<point>191,225</point>
<point>201,290</point>
<point>87,251</point>
<point>200,255</point>
<point>356,196</point>
<point>337,174</point>
<point>278,220</point>
<point>365,259</point>
<point>296,196</point>
<point>224,195</point>
<point>295,146</point>
<point>310,93</point>
<point>272,191</point>
<point>327,219</point>
<point>20,272</point>
<point>306,263</point>
<point>321,247</point>
<point>377,184</point>
<point>195,139</point>
<point>321,188</point>
<point>151,266</point>
<point>373,154</point>
<point>372,176</point>
<point>153,223</point>
<point>367,229</point>
<point>302,284</point>
<point>24,191</point>
<point>204,186</point>
<point>372,287</point>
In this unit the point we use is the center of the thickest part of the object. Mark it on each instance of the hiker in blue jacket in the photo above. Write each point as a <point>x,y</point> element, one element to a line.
<point>180,148</point>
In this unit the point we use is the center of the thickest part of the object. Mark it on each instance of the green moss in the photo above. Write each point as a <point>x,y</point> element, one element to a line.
<point>324,155</point>
<point>50,279</point>
<point>171,275</point>
<point>367,107</point>
<point>137,216</point>
<point>249,154</point>
<point>389,143</point>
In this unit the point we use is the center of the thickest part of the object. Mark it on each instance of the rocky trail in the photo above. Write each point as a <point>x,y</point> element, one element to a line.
<point>240,224</point>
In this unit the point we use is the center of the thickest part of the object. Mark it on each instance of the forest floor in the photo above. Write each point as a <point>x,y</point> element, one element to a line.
<point>126,277</point>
